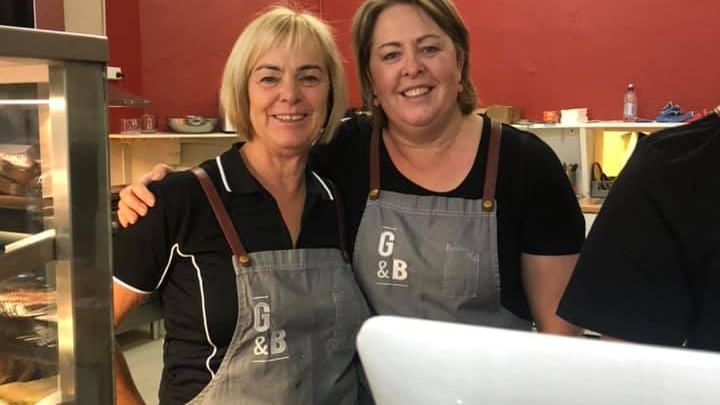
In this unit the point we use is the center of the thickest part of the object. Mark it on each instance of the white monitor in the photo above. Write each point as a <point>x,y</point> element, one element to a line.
<point>418,362</point>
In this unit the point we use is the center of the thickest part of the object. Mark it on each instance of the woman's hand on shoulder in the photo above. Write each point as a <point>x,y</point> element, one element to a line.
<point>136,198</point>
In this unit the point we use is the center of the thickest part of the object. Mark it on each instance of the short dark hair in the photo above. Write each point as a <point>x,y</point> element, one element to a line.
<point>444,14</point>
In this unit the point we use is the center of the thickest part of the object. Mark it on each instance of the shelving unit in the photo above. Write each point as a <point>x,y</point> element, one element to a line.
<point>576,142</point>
<point>605,125</point>
<point>134,154</point>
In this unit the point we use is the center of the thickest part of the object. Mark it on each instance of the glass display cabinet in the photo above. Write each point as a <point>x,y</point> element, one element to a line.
<point>55,268</point>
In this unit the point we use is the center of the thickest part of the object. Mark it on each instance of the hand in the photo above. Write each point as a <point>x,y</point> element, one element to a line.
<point>136,198</point>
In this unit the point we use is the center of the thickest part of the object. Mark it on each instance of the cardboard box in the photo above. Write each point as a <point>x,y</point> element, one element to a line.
<point>504,113</point>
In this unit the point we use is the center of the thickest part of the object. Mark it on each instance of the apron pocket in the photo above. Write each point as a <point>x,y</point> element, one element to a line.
<point>350,312</point>
<point>461,272</point>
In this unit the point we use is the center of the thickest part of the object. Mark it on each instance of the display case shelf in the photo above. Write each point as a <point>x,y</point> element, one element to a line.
<point>27,253</point>
<point>21,350</point>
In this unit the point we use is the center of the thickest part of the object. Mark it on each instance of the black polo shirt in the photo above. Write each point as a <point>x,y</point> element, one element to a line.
<point>179,249</point>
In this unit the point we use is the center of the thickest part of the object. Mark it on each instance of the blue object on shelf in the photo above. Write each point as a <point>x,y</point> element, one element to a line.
<point>672,113</point>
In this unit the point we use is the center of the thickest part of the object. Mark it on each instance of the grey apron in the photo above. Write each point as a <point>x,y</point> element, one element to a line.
<point>433,257</point>
<point>299,311</point>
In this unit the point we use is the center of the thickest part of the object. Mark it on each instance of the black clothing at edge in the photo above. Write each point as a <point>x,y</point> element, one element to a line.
<point>650,269</point>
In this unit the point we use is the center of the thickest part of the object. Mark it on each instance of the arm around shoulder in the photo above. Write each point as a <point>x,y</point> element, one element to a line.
<point>136,198</point>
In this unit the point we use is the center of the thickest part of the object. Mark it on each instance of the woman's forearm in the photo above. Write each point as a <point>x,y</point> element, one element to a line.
<point>126,393</point>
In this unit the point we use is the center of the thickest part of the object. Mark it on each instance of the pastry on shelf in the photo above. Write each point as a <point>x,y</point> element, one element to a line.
<point>29,392</point>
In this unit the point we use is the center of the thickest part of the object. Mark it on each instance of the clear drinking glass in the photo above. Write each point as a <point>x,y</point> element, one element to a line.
<point>149,123</point>
<point>129,126</point>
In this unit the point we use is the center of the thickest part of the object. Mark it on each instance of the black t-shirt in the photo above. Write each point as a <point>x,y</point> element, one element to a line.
<point>650,269</point>
<point>537,210</point>
<point>180,250</point>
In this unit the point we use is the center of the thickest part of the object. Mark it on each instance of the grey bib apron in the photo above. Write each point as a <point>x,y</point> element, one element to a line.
<point>298,314</point>
<point>433,257</point>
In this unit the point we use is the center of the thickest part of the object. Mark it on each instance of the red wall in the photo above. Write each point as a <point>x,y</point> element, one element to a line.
<point>122,26</point>
<point>537,55</point>
<point>554,54</point>
<point>184,48</point>
<point>340,14</point>
<point>563,54</point>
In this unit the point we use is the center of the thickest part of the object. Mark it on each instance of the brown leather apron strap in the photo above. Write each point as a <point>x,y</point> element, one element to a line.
<point>222,216</point>
<point>375,162</point>
<point>491,167</point>
<point>341,221</point>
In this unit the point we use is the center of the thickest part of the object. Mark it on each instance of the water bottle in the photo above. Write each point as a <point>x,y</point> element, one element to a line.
<point>630,104</point>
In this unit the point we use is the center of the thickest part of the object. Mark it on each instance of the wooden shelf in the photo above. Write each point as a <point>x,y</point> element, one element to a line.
<point>607,125</point>
<point>174,135</point>
<point>590,205</point>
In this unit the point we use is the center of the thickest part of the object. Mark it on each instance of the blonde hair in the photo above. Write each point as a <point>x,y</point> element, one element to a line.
<point>444,14</point>
<point>280,25</point>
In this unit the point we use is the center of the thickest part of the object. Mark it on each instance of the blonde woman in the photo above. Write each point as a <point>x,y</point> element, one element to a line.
<point>260,304</point>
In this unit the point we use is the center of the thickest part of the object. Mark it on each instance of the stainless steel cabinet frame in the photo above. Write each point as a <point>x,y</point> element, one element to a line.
<point>74,247</point>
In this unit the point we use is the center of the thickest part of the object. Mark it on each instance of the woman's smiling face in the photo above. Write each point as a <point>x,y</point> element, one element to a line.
<point>288,91</point>
<point>414,66</point>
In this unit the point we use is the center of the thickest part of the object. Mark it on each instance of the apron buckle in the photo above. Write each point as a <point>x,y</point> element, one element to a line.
<point>374,194</point>
<point>487,205</point>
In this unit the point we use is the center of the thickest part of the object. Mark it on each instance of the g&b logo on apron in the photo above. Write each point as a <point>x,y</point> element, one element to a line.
<point>270,344</point>
<point>390,271</point>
